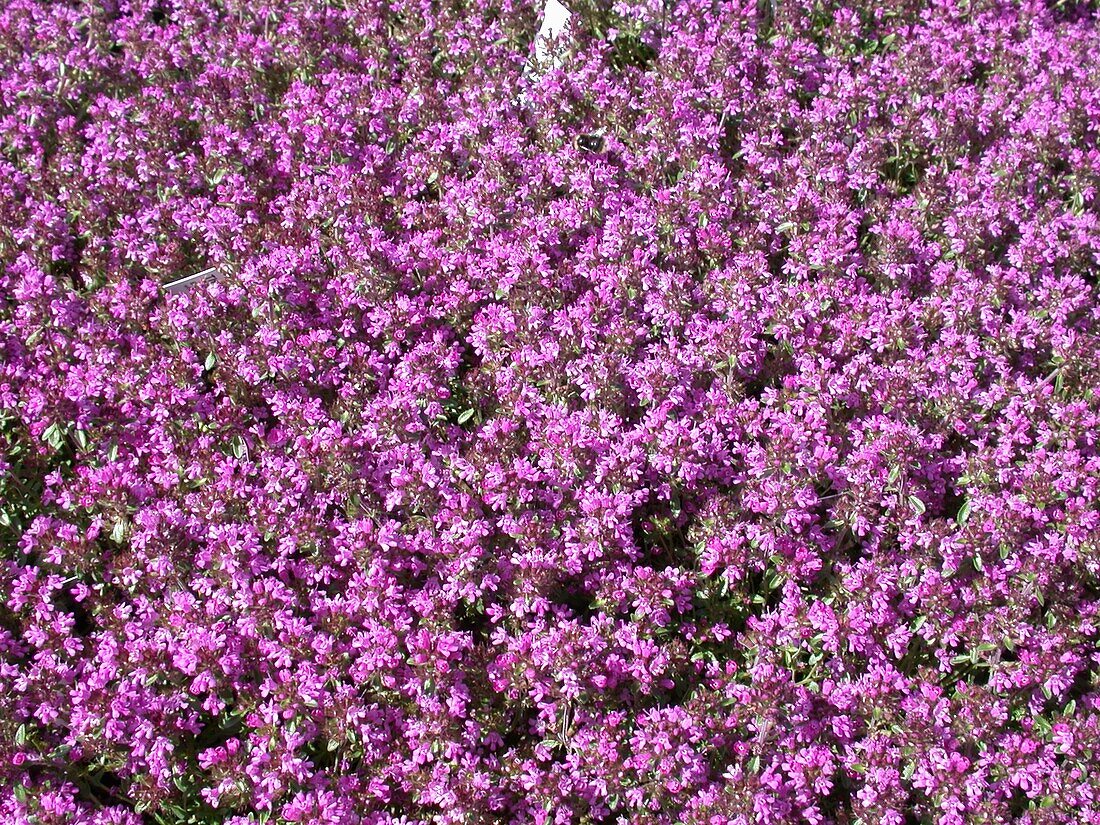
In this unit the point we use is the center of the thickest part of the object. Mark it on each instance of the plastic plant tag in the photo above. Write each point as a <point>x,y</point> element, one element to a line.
<point>184,284</point>
<point>554,19</point>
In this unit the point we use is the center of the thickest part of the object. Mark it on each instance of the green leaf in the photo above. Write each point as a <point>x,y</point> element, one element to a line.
<point>53,436</point>
<point>465,416</point>
<point>964,513</point>
<point>211,360</point>
<point>237,444</point>
<point>917,505</point>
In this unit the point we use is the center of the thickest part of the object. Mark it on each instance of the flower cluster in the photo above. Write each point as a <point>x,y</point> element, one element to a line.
<point>698,425</point>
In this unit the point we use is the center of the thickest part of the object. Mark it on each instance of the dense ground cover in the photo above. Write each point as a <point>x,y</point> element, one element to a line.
<point>705,432</point>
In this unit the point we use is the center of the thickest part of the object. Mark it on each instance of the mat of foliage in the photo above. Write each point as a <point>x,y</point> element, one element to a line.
<point>698,426</point>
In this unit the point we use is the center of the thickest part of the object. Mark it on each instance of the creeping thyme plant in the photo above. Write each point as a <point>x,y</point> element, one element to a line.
<point>700,425</point>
